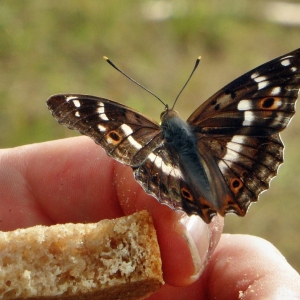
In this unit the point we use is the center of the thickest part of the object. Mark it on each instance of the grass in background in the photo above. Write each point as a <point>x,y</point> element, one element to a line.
<point>49,47</point>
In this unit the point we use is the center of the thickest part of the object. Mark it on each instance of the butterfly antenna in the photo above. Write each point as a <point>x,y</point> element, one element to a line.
<point>194,69</point>
<point>134,81</point>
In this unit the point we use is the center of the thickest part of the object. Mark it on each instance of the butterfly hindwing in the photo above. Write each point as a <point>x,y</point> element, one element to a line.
<point>247,164</point>
<point>160,175</point>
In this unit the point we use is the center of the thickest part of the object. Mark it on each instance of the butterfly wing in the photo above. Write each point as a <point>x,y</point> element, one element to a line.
<point>161,176</point>
<point>238,130</point>
<point>124,134</point>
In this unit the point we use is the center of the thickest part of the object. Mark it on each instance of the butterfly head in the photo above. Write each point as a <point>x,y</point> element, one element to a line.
<point>168,113</point>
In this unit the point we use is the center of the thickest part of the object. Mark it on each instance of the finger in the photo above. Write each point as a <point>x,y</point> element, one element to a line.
<point>73,180</point>
<point>56,182</point>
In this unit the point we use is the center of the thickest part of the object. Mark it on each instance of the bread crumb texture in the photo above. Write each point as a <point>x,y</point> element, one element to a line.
<point>112,259</point>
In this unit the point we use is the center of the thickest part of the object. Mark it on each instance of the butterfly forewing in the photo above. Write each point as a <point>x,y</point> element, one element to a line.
<point>125,134</point>
<point>260,102</point>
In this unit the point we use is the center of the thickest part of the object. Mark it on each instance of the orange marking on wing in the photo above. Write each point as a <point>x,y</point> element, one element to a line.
<point>113,137</point>
<point>187,195</point>
<point>235,185</point>
<point>270,103</point>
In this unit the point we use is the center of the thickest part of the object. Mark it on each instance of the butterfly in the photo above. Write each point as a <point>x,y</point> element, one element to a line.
<point>219,160</point>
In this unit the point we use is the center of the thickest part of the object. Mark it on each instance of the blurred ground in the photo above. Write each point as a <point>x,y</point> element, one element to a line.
<point>49,47</point>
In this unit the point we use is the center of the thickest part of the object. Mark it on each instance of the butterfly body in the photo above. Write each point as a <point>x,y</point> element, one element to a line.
<point>219,160</point>
<point>180,137</point>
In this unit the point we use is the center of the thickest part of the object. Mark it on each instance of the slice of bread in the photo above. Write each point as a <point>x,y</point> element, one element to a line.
<point>112,259</point>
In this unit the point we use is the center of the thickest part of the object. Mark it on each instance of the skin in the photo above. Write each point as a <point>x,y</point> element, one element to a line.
<point>73,180</point>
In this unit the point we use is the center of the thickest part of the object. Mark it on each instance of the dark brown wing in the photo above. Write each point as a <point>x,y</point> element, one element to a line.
<point>238,129</point>
<point>161,176</point>
<point>124,134</point>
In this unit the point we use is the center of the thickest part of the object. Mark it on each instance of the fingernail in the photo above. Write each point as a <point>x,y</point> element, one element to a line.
<point>197,235</point>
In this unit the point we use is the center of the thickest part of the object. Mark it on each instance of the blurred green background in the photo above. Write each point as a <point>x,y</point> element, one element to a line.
<point>49,47</point>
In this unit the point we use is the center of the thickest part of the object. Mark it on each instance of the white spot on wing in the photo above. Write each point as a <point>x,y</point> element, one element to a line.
<point>259,79</point>
<point>77,114</point>
<point>293,69</point>
<point>239,139</point>
<point>224,167</point>
<point>245,105</point>
<point>101,110</point>
<point>128,131</point>
<point>249,117</point>
<point>221,166</point>
<point>254,75</point>
<point>262,85</point>
<point>101,128</point>
<point>230,155</point>
<point>110,140</point>
<point>276,90</point>
<point>70,98</point>
<point>152,157</point>
<point>76,103</point>
<point>165,168</point>
<point>176,173</point>
<point>234,146</point>
<point>134,143</point>
<point>278,103</point>
<point>286,62</point>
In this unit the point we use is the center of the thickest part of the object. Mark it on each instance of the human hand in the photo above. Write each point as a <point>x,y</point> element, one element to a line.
<point>73,180</point>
